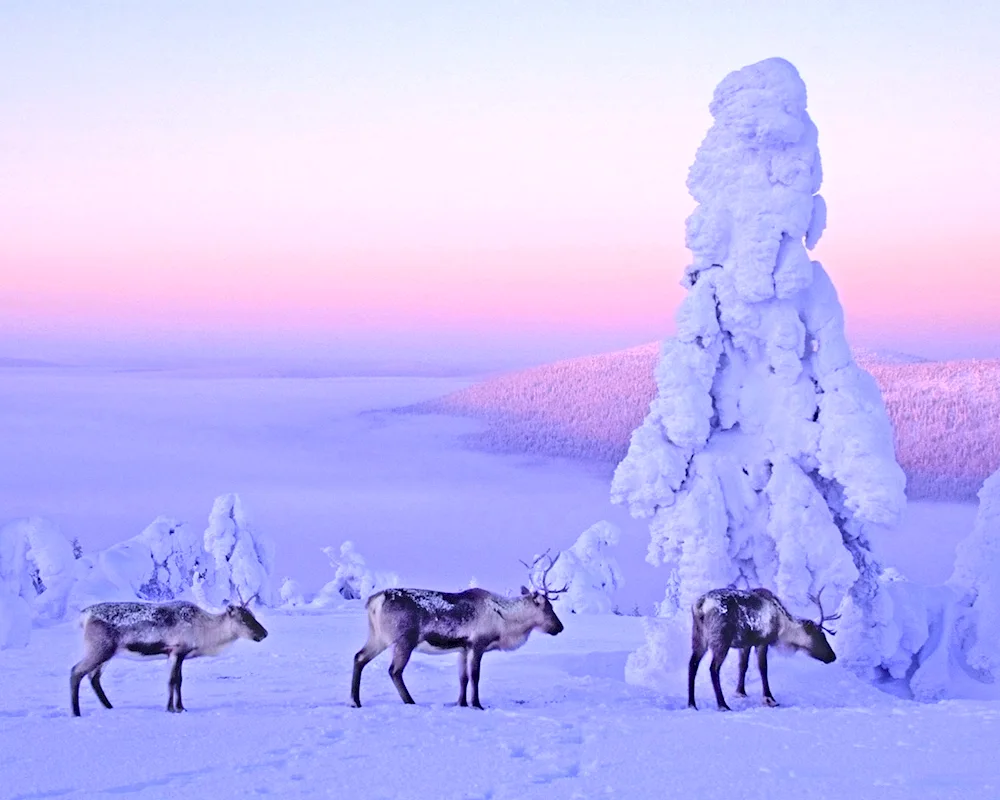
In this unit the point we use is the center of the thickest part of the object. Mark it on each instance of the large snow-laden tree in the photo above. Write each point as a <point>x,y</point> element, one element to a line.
<point>156,564</point>
<point>767,456</point>
<point>238,561</point>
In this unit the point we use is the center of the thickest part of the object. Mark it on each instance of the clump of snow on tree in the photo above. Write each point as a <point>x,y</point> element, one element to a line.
<point>157,564</point>
<point>767,455</point>
<point>37,564</point>
<point>589,572</point>
<point>976,579</point>
<point>353,578</point>
<point>239,559</point>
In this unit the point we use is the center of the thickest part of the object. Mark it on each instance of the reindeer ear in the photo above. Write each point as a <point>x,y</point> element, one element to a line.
<point>524,590</point>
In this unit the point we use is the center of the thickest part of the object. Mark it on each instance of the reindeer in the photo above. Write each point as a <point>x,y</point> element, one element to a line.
<point>725,618</point>
<point>178,630</point>
<point>472,622</point>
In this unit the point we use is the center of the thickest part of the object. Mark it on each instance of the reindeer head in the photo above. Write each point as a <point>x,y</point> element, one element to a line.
<point>818,647</point>
<point>541,597</point>
<point>245,622</point>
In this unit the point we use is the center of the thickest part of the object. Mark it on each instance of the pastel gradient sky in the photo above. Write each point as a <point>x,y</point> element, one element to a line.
<point>422,172</point>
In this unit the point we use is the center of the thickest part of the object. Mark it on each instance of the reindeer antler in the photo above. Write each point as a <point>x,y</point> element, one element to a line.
<point>549,593</point>
<point>817,599</point>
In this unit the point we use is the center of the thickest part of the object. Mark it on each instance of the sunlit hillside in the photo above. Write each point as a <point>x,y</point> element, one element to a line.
<point>946,414</point>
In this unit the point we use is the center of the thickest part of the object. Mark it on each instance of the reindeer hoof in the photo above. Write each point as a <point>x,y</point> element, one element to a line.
<point>724,708</point>
<point>476,704</point>
<point>770,702</point>
<point>741,694</point>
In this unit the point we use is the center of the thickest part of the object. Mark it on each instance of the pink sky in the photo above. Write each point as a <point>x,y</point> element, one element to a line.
<point>485,176</point>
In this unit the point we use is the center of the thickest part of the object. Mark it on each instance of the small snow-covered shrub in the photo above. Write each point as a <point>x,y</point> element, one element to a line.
<point>291,594</point>
<point>589,572</point>
<point>38,565</point>
<point>667,647</point>
<point>353,579</point>
<point>238,560</point>
<point>976,579</point>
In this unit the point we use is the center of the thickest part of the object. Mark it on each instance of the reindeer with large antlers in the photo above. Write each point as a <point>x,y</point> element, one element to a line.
<point>472,623</point>
<point>745,619</point>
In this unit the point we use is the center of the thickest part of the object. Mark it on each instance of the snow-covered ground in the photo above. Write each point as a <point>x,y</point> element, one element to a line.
<point>272,719</point>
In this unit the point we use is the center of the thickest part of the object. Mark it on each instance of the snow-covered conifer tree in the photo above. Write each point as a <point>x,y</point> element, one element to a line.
<point>589,572</point>
<point>239,559</point>
<point>37,563</point>
<point>976,579</point>
<point>156,564</point>
<point>353,579</point>
<point>767,456</point>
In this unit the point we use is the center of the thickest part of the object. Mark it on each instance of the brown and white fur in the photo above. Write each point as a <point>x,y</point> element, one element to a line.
<point>472,623</point>
<point>745,619</point>
<point>178,630</point>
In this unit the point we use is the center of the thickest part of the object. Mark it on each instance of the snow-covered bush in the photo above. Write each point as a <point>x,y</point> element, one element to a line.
<point>37,563</point>
<point>157,564</point>
<point>238,560</point>
<point>589,572</point>
<point>767,454</point>
<point>976,580</point>
<point>353,579</point>
<point>291,594</point>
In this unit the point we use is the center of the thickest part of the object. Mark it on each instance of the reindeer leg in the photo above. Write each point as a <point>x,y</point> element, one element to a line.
<point>361,659</point>
<point>741,688</point>
<point>718,656</point>
<point>697,653</point>
<point>177,678</point>
<point>401,651</point>
<point>762,666</point>
<point>174,684</point>
<point>95,681</point>
<point>100,646</point>
<point>92,662</point>
<point>477,657</point>
<point>463,676</point>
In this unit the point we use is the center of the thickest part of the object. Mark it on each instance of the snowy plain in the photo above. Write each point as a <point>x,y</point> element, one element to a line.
<point>272,719</point>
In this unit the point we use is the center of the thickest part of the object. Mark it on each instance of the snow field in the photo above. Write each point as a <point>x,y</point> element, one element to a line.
<point>272,719</point>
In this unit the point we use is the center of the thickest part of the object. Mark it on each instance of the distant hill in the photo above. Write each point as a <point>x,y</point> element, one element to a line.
<point>946,414</point>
